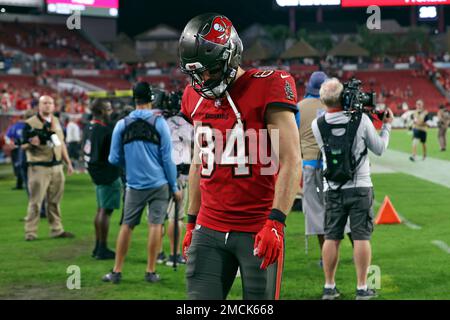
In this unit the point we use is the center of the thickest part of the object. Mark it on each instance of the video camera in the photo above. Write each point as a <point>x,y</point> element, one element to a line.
<point>353,99</point>
<point>171,103</point>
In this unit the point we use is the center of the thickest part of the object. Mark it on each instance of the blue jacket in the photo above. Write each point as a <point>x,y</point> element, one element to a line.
<point>15,131</point>
<point>147,165</point>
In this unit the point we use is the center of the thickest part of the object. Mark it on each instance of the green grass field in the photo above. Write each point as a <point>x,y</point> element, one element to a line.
<point>411,266</point>
<point>401,140</point>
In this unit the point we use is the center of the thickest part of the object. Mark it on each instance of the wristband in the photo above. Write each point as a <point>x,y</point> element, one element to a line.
<point>191,218</point>
<point>277,215</point>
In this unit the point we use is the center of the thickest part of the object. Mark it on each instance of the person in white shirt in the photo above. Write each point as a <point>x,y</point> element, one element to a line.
<point>73,140</point>
<point>182,133</point>
<point>353,198</point>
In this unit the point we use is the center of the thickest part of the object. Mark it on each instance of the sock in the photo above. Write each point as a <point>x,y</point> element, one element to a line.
<point>362,287</point>
<point>330,286</point>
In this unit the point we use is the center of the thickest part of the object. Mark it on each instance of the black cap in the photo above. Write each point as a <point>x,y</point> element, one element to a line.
<point>142,93</point>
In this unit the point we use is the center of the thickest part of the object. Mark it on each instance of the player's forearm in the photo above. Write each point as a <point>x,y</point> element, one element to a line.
<point>287,184</point>
<point>194,189</point>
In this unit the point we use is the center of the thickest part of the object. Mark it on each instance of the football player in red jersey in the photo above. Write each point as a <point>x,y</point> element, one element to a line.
<point>238,203</point>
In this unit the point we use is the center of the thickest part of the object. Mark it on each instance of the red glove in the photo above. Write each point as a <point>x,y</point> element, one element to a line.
<point>188,236</point>
<point>269,242</point>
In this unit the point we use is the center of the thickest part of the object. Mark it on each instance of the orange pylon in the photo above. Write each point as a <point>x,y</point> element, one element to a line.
<point>387,213</point>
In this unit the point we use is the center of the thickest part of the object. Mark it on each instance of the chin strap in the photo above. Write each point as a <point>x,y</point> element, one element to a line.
<point>196,107</point>
<point>233,106</point>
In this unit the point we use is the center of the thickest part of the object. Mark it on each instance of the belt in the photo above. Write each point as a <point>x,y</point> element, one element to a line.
<point>45,164</point>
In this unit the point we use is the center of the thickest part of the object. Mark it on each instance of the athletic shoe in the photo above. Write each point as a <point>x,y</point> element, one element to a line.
<point>365,294</point>
<point>330,294</point>
<point>161,258</point>
<point>180,260</point>
<point>105,254</point>
<point>152,277</point>
<point>113,277</point>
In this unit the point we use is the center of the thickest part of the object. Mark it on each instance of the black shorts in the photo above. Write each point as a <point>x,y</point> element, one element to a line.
<point>420,135</point>
<point>355,203</point>
<point>213,260</point>
<point>73,148</point>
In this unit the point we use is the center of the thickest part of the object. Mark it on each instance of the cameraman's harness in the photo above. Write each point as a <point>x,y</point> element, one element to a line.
<point>340,160</point>
<point>137,129</point>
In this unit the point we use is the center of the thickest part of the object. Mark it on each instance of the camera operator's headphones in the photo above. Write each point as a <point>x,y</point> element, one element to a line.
<point>143,93</point>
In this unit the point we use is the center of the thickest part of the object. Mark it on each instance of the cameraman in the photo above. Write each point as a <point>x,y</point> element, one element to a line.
<point>353,198</point>
<point>45,150</point>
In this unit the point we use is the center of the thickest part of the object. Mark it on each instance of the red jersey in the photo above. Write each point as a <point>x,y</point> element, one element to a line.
<point>236,193</point>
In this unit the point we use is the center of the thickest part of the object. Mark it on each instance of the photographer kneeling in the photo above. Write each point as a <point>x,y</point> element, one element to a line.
<point>344,134</point>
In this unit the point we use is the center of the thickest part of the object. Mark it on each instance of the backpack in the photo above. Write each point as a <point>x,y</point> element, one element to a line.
<point>341,162</point>
<point>137,129</point>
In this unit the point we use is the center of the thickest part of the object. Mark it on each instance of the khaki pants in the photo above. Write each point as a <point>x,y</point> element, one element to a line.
<point>45,182</point>
<point>442,136</point>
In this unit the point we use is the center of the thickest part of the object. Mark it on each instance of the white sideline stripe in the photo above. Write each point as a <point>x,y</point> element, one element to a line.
<point>433,170</point>
<point>441,245</point>
<point>405,221</point>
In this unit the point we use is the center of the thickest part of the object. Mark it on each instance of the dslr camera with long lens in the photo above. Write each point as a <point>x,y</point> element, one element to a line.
<point>353,99</point>
<point>46,136</point>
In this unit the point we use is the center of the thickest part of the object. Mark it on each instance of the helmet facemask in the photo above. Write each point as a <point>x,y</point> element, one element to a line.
<point>219,77</point>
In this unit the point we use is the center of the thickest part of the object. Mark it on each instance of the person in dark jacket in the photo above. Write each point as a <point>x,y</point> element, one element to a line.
<point>105,176</point>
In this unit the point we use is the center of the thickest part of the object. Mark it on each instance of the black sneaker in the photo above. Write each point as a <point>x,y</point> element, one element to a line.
<point>105,254</point>
<point>152,277</point>
<point>180,260</point>
<point>161,258</point>
<point>113,277</point>
<point>365,294</point>
<point>330,294</point>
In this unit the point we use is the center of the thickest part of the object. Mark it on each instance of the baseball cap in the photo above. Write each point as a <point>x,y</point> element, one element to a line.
<point>315,82</point>
<point>142,92</point>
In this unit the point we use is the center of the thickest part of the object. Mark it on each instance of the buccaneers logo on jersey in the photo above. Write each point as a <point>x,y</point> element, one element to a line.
<point>220,30</point>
